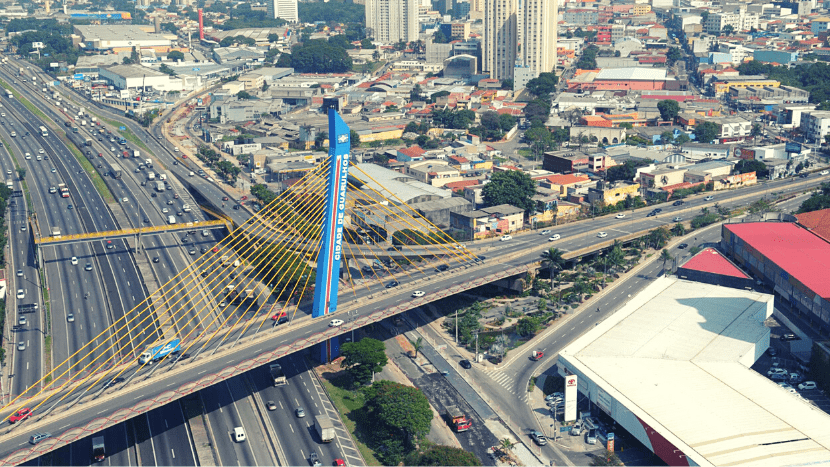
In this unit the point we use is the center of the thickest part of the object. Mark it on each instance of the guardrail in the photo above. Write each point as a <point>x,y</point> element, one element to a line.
<point>157,229</point>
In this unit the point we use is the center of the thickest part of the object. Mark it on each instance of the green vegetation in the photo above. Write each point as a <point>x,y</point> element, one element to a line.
<point>320,56</point>
<point>416,237</point>
<point>543,85</point>
<point>224,168</point>
<point>589,58</point>
<point>263,194</point>
<point>26,102</point>
<point>362,359</point>
<point>126,133</point>
<point>3,311</point>
<point>54,35</point>
<point>511,187</point>
<point>350,404</point>
<point>668,109</point>
<point>625,171</point>
<point>331,12</point>
<point>813,77</point>
<point>705,132</point>
<point>441,455</point>
<point>243,17</point>
<point>450,118</point>
<point>818,200</point>
<point>751,165</point>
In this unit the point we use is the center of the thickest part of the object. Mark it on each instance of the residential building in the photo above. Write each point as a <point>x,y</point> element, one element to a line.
<point>500,38</point>
<point>434,172</point>
<point>392,21</point>
<point>538,35</point>
<point>571,162</point>
<point>741,21</point>
<point>495,220</point>
<point>815,124</point>
<point>662,177</point>
<point>284,9</point>
<point>820,25</point>
<point>612,193</point>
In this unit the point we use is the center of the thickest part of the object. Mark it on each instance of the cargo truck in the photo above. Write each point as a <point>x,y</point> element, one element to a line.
<point>159,186</point>
<point>56,232</point>
<point>457,420</point>
<point>64,190</point>
<point>278,375</point>
<point>98,450</point>
<point>116,171</point>
<point>9,184</point>
<point>325,429</point>
<point>158,352</point>
<point>88,142</point>
<point>149,162</point>
<point>186,208</point>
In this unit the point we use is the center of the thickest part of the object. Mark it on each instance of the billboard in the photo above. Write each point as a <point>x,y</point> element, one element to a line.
<point>78,76</point>
<point>747,153</point>
<point>37,45</point>
<point>792,147</point>
<point>571,395</point>
<point>328,260</point>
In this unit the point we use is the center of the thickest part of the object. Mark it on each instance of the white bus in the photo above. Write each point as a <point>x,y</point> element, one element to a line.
<point>43,131</point>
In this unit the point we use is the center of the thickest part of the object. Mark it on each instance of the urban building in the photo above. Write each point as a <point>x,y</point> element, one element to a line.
<point>741,21</point>
<point>815,124</point>
<point>392,21</point>
<point>500,38</point>
<point>284,9</point>
<point>495,220</point>
<point>507,24</point>
<point>538,35</point>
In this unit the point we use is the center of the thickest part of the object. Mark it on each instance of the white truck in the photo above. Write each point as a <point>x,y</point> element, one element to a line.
<point>151,176</point>
<point>186,208</point>
<point>159,186</point>
<point>83,122</point>
<point>324,427</point>
<point>277,374</point>
<point>149,162</point>
<point>56,232</point>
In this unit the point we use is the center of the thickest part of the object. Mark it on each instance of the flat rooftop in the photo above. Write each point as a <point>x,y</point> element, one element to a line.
<point>674,367</point>
<point>802,254</point>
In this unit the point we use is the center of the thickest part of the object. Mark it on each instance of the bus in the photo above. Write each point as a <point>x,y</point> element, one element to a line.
<point>43,131</point>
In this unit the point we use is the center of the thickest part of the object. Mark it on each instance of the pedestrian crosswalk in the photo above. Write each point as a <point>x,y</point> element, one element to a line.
<point>507,382</point>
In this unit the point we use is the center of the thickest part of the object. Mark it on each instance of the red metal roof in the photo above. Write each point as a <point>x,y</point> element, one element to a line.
<point>800,253</point>
<point>710,260</point>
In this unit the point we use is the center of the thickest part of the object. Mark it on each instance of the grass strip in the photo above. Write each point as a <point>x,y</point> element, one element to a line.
<point>346,402</point>
<point>97,180</point>
<point>25,102</point>
<point>126,133</point>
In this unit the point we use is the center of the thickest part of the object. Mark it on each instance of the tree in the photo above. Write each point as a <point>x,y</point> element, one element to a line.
<point>490,121</point>
<point>681,139</point>
<point>553,260</point>
<point>510,187</point>
<point>527,326</point>
<point>705,132</point>
<point>543,85</point>
<point>506,445</point>
<point>318,56</point>
<point>364,358</point>
<point>244,95</point>
<point>756,131</point>
<point>668,109</point>
<point>366,43</point>
<point>727,30</point>
<point>167,70</point>
<point>21,173</point>
<point>625,171</point>
<point>666,257</point>
<point>751,165</point>
<point>273,38</point>
<point>537,110</point>
<point>673,55</point>
<point>417,344</point>
<point>284,61</point>
<point>354,139</point>
<point>416,94</point>
<point>678,230</point>
<point>442,455</point>
<point>175,55</point>
<point>440,38</point>
<point>401,407</point>
<point>506,122</point>
<point>667,137</point>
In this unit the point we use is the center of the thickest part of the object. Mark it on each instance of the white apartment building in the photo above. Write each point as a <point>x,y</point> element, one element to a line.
<point>815,124</point>
<point>500,38</point>
<point>737,51</point>
<point>740,21</point>
<point>392,21</point>
<point>529,23</point>
<point>285,9</point>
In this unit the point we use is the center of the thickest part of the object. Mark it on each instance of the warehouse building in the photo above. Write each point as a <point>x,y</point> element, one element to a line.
<point>121,37</point>
<point>137,77</point>
<point>672,367</point>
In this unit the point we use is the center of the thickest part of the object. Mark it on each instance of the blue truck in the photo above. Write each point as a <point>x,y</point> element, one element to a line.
<point>157,353</point>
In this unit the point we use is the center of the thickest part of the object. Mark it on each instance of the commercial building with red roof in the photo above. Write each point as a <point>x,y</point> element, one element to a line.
<point>711,267</point>
<point>817,222</point>
<point>790,259</point>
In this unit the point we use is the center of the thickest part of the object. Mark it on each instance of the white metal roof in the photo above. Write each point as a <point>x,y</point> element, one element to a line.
<point>637,73</point>
<point>678,354</point>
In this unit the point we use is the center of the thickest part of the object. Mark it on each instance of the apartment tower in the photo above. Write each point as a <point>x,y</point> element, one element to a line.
<point>392,21</point>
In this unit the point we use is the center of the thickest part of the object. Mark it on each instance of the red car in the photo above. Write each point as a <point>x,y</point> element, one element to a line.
<point>100,155</point>
<point>224,198</point>
<point>21,415</point>
<point>243,198</point>
<point>339,462</point>
<point>184,156</point>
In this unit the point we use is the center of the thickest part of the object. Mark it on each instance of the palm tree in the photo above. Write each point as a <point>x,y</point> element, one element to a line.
<point>553,260</point>
<point>506,445</point>
<point>417,344</point>
<point>679,229</point>
<point>666,257</point>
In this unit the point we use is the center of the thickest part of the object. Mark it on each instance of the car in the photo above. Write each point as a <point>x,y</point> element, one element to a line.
<point>88,267</point>
<point>620,216</point>
<point>591,438</point>
<point>23,228</point>
<point>41,151</point>
<point>554,237</point>
<point>28,156</point>
<point>554,396</point>
<point>391,284</point>
<point>777,371</point>
<point>335,323</point>
<point>544,232</point>
<point>224,198</point>
<point>192,252</point>
<point>203,250</point>
<point>480,258</point>
<point>169,202</point>
<point>146,220</point>
<point>21,294</point>
<point>538,438</point>
<point>300,412</point>
<point>678,203</point>
<point>314,460</point>
<point>21,320</point>
<point>175,195</point>
<point>237,207</point>
<point>651,214</point>
<point>772,352</point>
<point>465,364</point>
<point>155,259</point>
<point>271,405</point>
<point>807,386</point>
<point>785,385</point>
<point>602,235</point>
<point>110,245</point>
<point>164,210</point>
<point>38,437</point>
<point>21,345</point>
<point>708,198</point>
<point>677,219</point>
<point>19,273</point>
<point>179,213</point>
<point>418,293</point>
<point>683,246</point>
<point>824,172</point>
<point>442,268</point>
<point>339,462</point>
<point>658,210</point>
<point>54,170</point>
<point>70,318</point>
<point>100,155</point>
<point>20,415</point>
<point>505,238</point>
<point>788,337</point>
<point>74,260</point>
<point>124,200</point>
<point>243,198</point>
<point>70,207</point>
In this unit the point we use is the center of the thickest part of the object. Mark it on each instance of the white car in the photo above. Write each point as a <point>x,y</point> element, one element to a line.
<point>418,293</point>
<point>335,322</point>
<point>21,294</point>
<point>544,232</point>
<point>602,235</point>
<point>41,151</point>
<point>620,216</point>
<point>124,200</point>
<point>505,238</point>
<point>554,237</point>
<point>677,219</point>
<point>74,260</point>
<point>708,198</point>
<point>776,371</point>
<point>824,172</point>
<point>807,385</point>
<point>28,156</point>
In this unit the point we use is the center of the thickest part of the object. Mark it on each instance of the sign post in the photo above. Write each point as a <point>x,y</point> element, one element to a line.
<point>571,395</point>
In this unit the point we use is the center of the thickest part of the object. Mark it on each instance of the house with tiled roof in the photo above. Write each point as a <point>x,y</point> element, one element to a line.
<point>412,153</point>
